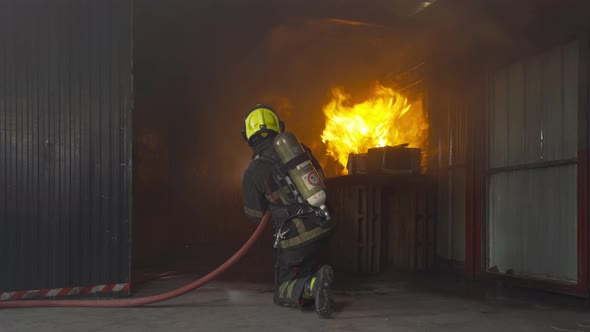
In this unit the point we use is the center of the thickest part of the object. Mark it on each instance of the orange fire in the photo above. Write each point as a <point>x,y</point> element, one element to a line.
<point>385,119</point>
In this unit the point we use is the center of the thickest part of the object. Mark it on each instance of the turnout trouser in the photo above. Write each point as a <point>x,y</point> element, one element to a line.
<point>293,269</point>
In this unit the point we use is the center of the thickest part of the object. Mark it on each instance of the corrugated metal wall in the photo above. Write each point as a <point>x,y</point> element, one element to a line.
<point>533,166</point>
<point>450,100</point>
<point>65,169</point>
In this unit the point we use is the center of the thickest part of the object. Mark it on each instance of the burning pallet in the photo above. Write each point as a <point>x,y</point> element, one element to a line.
<point>386,160</point>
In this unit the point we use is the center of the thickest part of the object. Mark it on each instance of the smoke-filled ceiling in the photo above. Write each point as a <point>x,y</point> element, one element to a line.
<point>301,61</point>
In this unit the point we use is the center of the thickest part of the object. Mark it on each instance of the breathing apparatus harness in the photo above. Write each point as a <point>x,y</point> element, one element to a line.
<point>284,214</point>
<point>294,170</point>
<point>298,207</point>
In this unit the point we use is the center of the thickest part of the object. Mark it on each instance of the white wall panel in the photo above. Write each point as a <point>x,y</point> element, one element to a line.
<point>534,120</point>
<point>533,223</point>
<point>516,115</point>
<point>552,105</point>
<point>533,211</point>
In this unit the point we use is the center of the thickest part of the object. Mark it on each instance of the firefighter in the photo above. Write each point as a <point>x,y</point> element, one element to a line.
<point>298,231</point>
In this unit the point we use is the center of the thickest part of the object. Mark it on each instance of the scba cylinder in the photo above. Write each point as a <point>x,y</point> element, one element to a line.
<point>301,170</point>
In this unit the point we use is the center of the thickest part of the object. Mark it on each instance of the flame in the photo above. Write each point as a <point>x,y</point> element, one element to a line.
<point>385,119</point>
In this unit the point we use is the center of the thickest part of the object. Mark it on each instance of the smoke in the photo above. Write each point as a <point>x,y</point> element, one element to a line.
<point>198,69</point>
<point>200,66</point>
<point>304,59</point>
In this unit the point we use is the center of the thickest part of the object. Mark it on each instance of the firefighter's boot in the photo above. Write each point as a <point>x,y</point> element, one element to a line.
<point>319,288</point>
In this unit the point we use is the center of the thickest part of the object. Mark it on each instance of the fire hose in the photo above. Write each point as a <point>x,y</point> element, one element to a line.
<point>135,302</point>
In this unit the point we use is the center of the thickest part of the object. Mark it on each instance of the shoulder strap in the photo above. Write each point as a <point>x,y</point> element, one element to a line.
<point>265,158</point>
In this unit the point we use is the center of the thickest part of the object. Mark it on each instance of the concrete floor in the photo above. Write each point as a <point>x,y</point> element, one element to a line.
<point>387,303</point>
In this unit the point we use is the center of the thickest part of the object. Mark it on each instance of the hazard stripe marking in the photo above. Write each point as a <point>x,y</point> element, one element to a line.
<point>30,294</point>
<point>96,289</point>
<point>118,287</point>
<point>87,290</point>
<point>54,292</point>
<point>75,291</point>
<point>63,292</point>
<point>18,295</point>
<point>107,288</point>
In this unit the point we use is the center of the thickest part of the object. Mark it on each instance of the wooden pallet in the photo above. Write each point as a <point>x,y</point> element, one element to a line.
<point>366,211</point>
<point>382,227</point>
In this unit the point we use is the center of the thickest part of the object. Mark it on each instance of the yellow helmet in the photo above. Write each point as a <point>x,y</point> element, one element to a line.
<point>261,119</point>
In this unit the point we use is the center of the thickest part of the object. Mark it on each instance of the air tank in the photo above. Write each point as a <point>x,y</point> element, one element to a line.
<point>301,171</point>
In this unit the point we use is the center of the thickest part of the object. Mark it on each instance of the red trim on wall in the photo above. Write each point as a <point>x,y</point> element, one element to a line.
<point>583,163</point>
<point>470,270</point>
<point>582,220</point>
<point>474,203</point>
<point>469,221</point>
<point>479,196</point>
<point>475,184</point>
<point>479,188</point>
<point>469,196</point>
